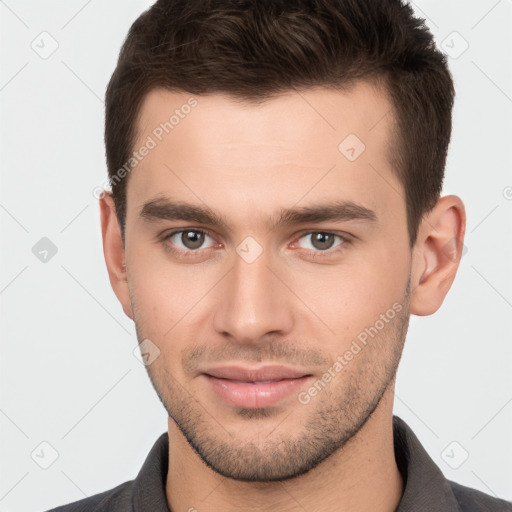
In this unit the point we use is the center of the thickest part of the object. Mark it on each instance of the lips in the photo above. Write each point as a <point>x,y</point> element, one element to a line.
<point>266,373</point>
<point>254,388</point>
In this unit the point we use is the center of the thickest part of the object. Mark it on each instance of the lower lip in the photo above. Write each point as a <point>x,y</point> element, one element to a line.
<point>255,394</point>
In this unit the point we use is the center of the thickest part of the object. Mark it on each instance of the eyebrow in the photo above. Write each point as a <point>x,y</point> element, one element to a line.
<point>160,208</point>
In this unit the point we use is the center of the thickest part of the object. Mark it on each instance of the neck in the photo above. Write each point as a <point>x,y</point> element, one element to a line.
<point>361,476</point>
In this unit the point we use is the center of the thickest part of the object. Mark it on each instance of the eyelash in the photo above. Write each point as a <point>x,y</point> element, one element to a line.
<point>346,239</point>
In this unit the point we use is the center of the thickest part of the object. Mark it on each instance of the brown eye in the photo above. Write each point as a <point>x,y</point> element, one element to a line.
<point>187,240</point>
<point>321,241</point>
<point>192,239</point>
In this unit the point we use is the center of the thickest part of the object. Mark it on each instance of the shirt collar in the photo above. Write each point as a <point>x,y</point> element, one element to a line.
<point>425,487</point>
<point>148,491</point>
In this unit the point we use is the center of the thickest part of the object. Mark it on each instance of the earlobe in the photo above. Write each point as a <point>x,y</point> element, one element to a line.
<point>114,252</point>
<point>437,254</point>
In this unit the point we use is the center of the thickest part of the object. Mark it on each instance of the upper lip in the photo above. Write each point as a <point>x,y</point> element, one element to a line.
<point>264,373</point>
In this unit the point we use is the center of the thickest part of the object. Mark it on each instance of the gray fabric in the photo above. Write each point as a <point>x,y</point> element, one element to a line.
<point>426,488</point>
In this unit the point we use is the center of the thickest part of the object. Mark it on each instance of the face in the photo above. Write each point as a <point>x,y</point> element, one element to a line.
<point>280,317</point>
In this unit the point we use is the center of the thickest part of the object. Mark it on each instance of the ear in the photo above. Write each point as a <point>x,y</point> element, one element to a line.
<point>113,251</point>
<point>437,254</point>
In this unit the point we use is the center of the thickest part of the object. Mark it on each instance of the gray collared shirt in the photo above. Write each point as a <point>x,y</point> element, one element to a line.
<point>425,487</point>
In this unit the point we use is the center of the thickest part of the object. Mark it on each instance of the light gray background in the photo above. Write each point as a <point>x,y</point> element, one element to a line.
<point>68,375</point>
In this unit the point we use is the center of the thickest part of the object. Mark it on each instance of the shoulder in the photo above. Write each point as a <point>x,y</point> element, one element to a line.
<point>471,500</point>
<point>118,498</point>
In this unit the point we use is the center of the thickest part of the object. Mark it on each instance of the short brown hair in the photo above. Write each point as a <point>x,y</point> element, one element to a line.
<point>255,49</point>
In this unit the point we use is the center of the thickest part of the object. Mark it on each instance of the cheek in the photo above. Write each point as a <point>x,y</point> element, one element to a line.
<point>155,291</point>
<point>351,296</point>
<point>166,294</point>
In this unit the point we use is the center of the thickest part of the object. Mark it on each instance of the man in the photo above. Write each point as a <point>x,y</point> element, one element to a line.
<point>275,218</point>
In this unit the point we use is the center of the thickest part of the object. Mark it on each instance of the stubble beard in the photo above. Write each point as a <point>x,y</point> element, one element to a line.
<point>299,442</point>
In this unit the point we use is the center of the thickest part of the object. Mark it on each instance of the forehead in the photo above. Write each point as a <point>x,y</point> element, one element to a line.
<point>297,146</point>
<point>294,113</point>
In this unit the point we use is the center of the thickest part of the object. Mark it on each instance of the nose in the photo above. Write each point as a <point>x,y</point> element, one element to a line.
<point>253,302</point>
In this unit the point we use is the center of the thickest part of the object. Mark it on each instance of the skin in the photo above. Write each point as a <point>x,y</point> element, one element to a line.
<point>294,305</point>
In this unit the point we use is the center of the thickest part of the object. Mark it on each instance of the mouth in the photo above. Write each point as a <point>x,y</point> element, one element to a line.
<point>255,388</point>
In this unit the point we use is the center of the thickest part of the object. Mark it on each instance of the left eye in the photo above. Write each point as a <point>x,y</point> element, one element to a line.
<point>191,239</point>
<point>322,240</point>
